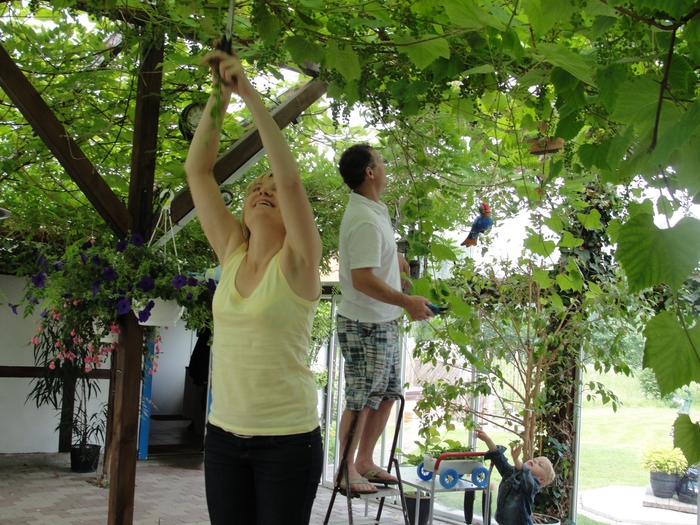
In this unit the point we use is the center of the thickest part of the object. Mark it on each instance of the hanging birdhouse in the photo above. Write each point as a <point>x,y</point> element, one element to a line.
<point>544,145</point>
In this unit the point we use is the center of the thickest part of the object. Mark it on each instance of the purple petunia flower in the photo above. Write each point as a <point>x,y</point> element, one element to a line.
<point>211,285</point>
<point>150,305</point>
<point>83,258</point>
<point>179,281</point>
<point>58,266</point>
<point>96,286</point>
<point>110,273</point>
<point>96,260</point>
<point>192,281</point>
<point>146,283</point>
<point>13,307</point>
<point>67,295</point>
<point>86,245</point>
<point>137,240</point>
<point>123,306</point>
<point>44,314</point>
<point>32,299</point>
<point>121,245</point>
<point>189,296</point>
<point>39,280</point>
<point>42,262</point>
<point>144,315</point>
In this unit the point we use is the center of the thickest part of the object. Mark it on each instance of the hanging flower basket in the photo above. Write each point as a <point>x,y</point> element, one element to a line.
<point>163,313</point>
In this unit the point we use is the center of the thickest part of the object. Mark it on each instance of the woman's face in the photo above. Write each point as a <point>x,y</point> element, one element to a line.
<point>261,200</point>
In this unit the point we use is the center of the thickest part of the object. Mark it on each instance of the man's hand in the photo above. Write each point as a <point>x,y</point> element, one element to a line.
<point>417,308</point>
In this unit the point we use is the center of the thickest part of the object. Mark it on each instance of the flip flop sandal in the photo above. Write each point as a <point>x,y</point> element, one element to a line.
<point>358,481</point>
<point>371,476</point>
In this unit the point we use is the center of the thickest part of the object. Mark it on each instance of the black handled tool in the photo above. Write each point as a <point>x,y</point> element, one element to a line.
<point>225,42</point>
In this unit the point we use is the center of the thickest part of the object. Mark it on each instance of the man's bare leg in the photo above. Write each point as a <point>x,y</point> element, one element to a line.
<point>373,427</point>
<point>345,423</point>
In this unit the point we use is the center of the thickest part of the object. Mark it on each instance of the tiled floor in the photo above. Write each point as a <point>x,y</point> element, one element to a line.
<point>40,489</point>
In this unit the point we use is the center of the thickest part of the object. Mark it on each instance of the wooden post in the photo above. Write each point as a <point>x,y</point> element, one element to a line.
<point>127,383</point>
<point>122,468</point>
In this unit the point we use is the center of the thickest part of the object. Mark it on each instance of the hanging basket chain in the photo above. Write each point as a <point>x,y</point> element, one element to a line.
<point>165,222</point>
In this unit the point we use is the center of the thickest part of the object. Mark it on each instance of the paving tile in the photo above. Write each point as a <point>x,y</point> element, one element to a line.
<point>168,492</point>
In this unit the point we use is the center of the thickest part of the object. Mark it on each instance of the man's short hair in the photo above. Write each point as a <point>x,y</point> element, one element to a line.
<point>353,162</point>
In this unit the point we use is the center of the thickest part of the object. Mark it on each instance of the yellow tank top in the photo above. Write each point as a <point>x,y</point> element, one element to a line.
<point>261,385</point>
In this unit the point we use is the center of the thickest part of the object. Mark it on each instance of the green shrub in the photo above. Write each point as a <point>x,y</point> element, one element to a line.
<point>650,388</point>
<point>660,458</point>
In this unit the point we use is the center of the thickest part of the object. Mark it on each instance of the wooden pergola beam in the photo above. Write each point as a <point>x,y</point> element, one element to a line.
<point>52,132</point>
<point>250,143</point>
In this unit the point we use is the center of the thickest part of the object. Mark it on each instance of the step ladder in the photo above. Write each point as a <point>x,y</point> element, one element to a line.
<point>382,491</point>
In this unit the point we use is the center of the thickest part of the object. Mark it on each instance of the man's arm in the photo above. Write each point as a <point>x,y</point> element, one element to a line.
<point>364,280</point>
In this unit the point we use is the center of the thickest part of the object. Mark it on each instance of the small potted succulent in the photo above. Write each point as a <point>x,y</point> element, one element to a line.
<point>666,465</point>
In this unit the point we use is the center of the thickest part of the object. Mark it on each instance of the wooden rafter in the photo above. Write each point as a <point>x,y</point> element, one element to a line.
<point>45,123</point>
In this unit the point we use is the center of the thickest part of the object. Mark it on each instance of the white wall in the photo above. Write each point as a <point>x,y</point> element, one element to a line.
<point>169,380</point>
<point>25,428</point>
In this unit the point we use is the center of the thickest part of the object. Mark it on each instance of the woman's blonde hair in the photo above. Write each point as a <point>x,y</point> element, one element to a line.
<point>248,191</point>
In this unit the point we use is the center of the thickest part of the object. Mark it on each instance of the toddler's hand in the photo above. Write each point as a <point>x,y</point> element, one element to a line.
<point>515,451</point>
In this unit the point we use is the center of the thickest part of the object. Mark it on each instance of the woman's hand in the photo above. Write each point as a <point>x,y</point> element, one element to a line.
<point>229,69</point>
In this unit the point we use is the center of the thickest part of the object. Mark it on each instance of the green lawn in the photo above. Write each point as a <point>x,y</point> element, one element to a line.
<point>611,442</point>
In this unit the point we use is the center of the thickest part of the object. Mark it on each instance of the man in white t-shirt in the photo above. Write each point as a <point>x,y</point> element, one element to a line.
<point>372,302</point>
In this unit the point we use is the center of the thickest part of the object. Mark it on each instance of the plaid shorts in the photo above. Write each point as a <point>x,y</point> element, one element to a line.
<point>372,361</point>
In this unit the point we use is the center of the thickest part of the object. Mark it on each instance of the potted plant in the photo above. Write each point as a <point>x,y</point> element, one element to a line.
<point>411,497</point>
<point>84,293</point>
<point>67,348</point>
<point>665,465</point>
<point>88,431</point>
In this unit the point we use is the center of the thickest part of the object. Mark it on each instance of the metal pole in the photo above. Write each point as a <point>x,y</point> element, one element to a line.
<point>578,399</point>
<point>328,407</point>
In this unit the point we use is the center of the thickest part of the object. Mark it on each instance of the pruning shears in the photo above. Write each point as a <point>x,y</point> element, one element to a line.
<point>226,41</point>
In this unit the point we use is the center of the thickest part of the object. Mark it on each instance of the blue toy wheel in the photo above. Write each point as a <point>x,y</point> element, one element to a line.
<point>449,478</point>
<point>423,474</point>
<point>480,476</point>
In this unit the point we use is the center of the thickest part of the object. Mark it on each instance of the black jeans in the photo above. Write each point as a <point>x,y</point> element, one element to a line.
<point>261,480</point>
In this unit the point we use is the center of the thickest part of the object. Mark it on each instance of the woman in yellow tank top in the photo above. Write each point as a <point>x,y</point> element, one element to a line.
<point>263,451</point>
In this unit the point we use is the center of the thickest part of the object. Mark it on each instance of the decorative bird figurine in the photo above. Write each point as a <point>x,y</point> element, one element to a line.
<point>481,225</point>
